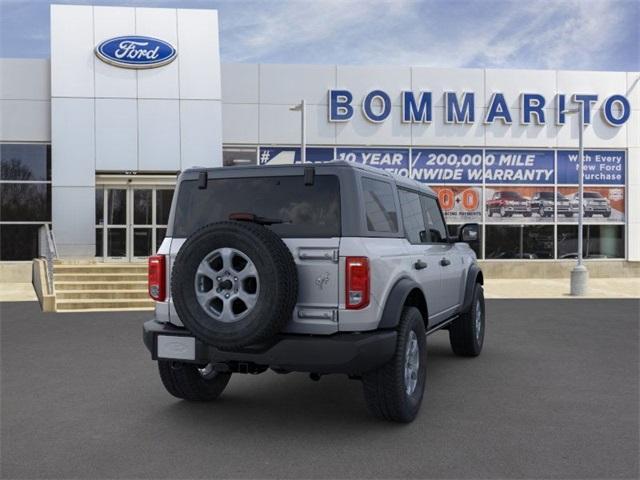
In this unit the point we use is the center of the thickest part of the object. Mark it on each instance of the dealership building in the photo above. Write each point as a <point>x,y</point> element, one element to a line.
<point>91,146</point>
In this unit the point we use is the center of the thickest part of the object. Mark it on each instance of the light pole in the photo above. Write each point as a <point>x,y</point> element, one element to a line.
<point>303,129</point>
<point>580,274</point>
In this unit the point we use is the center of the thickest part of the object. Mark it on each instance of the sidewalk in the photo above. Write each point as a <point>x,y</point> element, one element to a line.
<point>559,288</point>
<point>17,292</point>
<point>493,288</point>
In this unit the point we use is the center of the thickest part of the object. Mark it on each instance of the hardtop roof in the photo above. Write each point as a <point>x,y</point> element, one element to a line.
<point>400,181</point>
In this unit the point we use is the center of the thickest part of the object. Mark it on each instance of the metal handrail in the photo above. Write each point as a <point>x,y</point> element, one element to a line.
<point>47,249</point>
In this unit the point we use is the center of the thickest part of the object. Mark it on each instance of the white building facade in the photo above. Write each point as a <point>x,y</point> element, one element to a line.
<point>92,148</point>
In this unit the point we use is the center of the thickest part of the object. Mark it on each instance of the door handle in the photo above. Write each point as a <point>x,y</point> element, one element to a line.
<point>445,261</point>
<point>419,265</point>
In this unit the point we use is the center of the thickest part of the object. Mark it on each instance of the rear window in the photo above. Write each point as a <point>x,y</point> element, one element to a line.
<point>512,195</point>
<point>305,210</point>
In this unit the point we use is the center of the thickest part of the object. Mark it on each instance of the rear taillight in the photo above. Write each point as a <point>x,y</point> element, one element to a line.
<point>357,282</point>
<point>157,278</point>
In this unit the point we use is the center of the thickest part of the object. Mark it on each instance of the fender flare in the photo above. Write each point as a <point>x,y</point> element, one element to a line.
<point>474,275</point>
<point>395,302</point>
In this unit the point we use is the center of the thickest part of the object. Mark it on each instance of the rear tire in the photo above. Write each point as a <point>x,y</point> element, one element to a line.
<point>466,333</point>
<point>189,382</point>
<point>389,392</point>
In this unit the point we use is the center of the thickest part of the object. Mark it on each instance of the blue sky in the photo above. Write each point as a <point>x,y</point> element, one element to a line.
<point>558,34</point>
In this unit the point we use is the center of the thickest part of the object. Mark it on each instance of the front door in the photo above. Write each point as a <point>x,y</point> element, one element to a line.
<point>131,221</point>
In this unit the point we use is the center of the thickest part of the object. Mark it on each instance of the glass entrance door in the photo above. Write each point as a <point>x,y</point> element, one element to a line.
<point>131,221</point>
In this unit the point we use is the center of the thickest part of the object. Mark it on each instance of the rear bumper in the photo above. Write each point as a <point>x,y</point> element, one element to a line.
<point>517,209</point>
<point>601,209</point>
<point>350,353</point>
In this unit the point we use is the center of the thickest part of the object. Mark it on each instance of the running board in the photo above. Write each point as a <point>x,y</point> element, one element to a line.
<point>441,325</point>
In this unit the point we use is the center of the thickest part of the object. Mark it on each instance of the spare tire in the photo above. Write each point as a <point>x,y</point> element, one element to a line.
<point>234,284</point>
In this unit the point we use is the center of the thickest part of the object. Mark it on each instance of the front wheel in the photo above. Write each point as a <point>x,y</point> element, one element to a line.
<point>192,382</point>
<point>394,391</point>
<point>466,333</point>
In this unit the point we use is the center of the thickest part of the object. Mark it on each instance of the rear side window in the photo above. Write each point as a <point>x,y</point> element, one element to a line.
<point>305,210</point>
<point>412,216</point>
<point>379,205</point>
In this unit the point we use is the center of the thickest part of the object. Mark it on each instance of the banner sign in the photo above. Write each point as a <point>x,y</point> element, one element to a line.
<point>437,165</point>
<point>392,160</point>
<point>601,167</point>
<point>291,155</point>
<point>518,166</point>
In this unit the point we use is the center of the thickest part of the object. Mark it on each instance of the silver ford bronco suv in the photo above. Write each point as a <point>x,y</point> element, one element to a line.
<point>324,268</point>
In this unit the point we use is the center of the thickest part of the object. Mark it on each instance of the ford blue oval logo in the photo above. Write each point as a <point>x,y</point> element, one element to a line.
<point>134,51</point>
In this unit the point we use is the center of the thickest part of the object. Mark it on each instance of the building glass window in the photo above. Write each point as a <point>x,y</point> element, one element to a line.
<point>18,242</point>
<point>598,241</point>
<point>380,207</point>
<point>25,202</point>
<point>529,242</point>
<point>522,216</point>
<point>25,162</point>
<point>99,206</point>
<point>25,198</point>
<point>237,156</point>
<point>163,205</point>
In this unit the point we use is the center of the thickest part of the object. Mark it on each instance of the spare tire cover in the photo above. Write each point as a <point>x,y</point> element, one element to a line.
<point>234,284</point>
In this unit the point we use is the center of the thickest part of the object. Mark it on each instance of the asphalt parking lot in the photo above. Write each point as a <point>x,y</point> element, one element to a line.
<point>554,395</point>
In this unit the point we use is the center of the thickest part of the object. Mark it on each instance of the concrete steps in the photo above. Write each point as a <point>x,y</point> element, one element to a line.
<point>101,294</point>
<point>99,287</point>
<point>102,305</point>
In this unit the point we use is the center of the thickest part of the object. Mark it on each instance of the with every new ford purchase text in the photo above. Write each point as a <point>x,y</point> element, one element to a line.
<point>330,268</point>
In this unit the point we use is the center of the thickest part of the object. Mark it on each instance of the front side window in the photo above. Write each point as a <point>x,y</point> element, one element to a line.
<point>379,205</point>
<point>412,216</point>
<point>437,232</point>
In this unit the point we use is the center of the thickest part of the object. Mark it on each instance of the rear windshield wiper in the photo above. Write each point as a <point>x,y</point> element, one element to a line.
<point>251,217</point>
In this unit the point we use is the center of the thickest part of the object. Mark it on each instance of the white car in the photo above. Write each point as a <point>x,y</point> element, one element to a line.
<point>594,204</point>
<point>331,268</point>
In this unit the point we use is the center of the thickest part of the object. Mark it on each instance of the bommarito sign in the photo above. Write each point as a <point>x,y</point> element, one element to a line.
<point>460,108</point>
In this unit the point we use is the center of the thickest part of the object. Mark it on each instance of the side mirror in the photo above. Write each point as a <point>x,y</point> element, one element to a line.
<point>469,233</point>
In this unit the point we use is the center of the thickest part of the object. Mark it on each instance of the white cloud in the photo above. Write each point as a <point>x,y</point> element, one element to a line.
<point>555,34</point>
<point>535,34</point>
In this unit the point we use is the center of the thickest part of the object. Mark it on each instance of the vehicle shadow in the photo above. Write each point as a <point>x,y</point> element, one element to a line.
<point>285,402</point>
